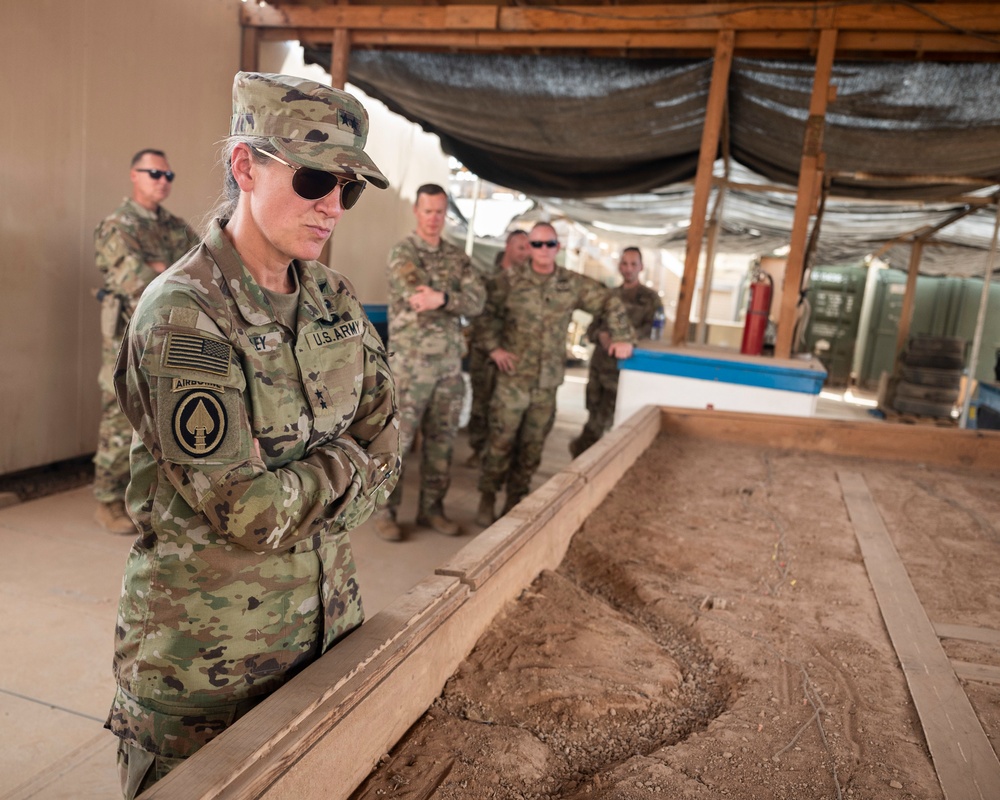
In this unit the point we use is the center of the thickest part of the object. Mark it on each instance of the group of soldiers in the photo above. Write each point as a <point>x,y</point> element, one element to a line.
<point>519,316</point>
<point>516,346</point>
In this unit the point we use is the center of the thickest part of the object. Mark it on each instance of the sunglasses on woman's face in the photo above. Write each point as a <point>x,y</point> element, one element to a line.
<point>313,184</point>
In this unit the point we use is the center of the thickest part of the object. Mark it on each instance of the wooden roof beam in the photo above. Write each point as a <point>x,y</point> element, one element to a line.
<point>926,17</point>
<point>860,43</point>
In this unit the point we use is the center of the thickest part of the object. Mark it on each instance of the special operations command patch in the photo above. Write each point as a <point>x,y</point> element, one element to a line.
<point>199,423</point>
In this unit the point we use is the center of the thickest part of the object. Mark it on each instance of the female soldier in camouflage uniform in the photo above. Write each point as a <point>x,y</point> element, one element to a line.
<point>267,429</point>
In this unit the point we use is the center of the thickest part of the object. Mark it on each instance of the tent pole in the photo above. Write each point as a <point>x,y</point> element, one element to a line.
<point>470,235</point>
<point>812,147</point>
<point>703,179</point>
<point>977,338</point>
<point>712,239</point>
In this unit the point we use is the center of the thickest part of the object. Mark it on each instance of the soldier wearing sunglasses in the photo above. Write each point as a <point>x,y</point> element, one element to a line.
<point>526,319</point>
<point>133,245</point>
<point>267,428</point>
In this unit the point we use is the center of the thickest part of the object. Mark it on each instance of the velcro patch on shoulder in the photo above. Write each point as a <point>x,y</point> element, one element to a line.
<point>193,351</point>
<point>200,423</point>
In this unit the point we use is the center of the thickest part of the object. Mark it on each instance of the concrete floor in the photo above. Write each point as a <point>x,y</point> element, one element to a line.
<point>61,577</point>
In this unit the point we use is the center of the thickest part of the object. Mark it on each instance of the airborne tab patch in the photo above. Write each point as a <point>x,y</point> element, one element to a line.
<point>191,351</point>
<point>185,384</point>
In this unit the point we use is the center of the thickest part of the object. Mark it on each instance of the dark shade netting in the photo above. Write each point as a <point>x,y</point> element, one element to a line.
<point>567,126</point>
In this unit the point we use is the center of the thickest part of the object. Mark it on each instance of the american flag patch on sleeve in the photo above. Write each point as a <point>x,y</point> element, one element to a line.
<point>190,351</point>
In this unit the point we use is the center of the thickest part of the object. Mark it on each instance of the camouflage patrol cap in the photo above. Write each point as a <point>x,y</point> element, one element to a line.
<point>309,123</point>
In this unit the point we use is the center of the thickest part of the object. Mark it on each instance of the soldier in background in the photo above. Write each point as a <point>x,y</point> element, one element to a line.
<point>432,285</point>
<point>134,244</point>
<point>641,304</point>
<point>527,319</point>
<point>482,371</point>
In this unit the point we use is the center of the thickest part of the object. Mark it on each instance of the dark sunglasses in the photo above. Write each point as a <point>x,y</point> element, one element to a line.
<point>313,184</point>
<point>547,243</point>
<point>156,174</point>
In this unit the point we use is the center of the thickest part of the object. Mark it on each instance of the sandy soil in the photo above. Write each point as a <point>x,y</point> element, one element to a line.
<point>713,633</point>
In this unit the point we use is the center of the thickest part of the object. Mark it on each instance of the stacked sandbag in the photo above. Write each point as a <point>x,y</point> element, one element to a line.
<point>931,376</point>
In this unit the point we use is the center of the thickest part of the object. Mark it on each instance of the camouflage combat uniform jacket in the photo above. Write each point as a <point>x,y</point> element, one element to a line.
<point>529,314</point>
<point>125,243</point>
<point>242,572</point>
<point>641,304</point>
<point>478,327</point>
<point>433,334</point>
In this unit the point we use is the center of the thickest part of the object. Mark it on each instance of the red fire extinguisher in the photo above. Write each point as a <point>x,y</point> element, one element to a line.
<point>759,310</point>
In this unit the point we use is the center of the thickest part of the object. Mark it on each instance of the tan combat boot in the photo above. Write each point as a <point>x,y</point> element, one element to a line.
<point>486,515</point>
<point>386,526</point>
<point>113,518</point>
<point>435,519</point>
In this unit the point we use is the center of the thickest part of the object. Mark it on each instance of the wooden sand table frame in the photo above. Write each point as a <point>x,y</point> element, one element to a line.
<point>321,734</point>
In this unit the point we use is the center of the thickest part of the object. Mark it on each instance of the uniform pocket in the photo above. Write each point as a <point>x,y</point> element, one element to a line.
<point>331,360</point>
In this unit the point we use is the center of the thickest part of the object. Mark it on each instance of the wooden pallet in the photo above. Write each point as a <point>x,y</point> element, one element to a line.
<point>893,416</point>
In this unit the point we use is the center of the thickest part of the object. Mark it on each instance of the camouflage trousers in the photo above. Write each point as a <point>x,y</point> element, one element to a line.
<point>139,769</point>
<point>602,391</point>
<point>114,434</point>
<point>430,393</point>
<point>483,374</point>
<point>520,418</point>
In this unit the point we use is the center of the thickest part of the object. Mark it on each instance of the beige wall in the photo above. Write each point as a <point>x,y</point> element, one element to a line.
<point>86,84</point>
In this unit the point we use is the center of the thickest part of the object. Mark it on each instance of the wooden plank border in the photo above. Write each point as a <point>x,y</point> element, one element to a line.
<point>966,765</point>
<point>875,439</point>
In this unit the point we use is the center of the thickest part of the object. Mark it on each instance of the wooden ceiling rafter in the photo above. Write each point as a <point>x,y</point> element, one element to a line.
<point>866,29</point>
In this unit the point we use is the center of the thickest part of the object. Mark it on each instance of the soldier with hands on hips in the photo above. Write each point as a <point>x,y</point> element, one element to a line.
<point>139,240</point>
<point>641,303</point>
<point>267,429</point>
<point>527,318</point>
<point>432,286</point>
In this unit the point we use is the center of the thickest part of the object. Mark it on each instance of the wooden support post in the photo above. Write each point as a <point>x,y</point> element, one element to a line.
<point>812,147</point>
<point>703,179</point>
<point>340,56</point>
<point>248,49</point>
<point>906,313</point>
